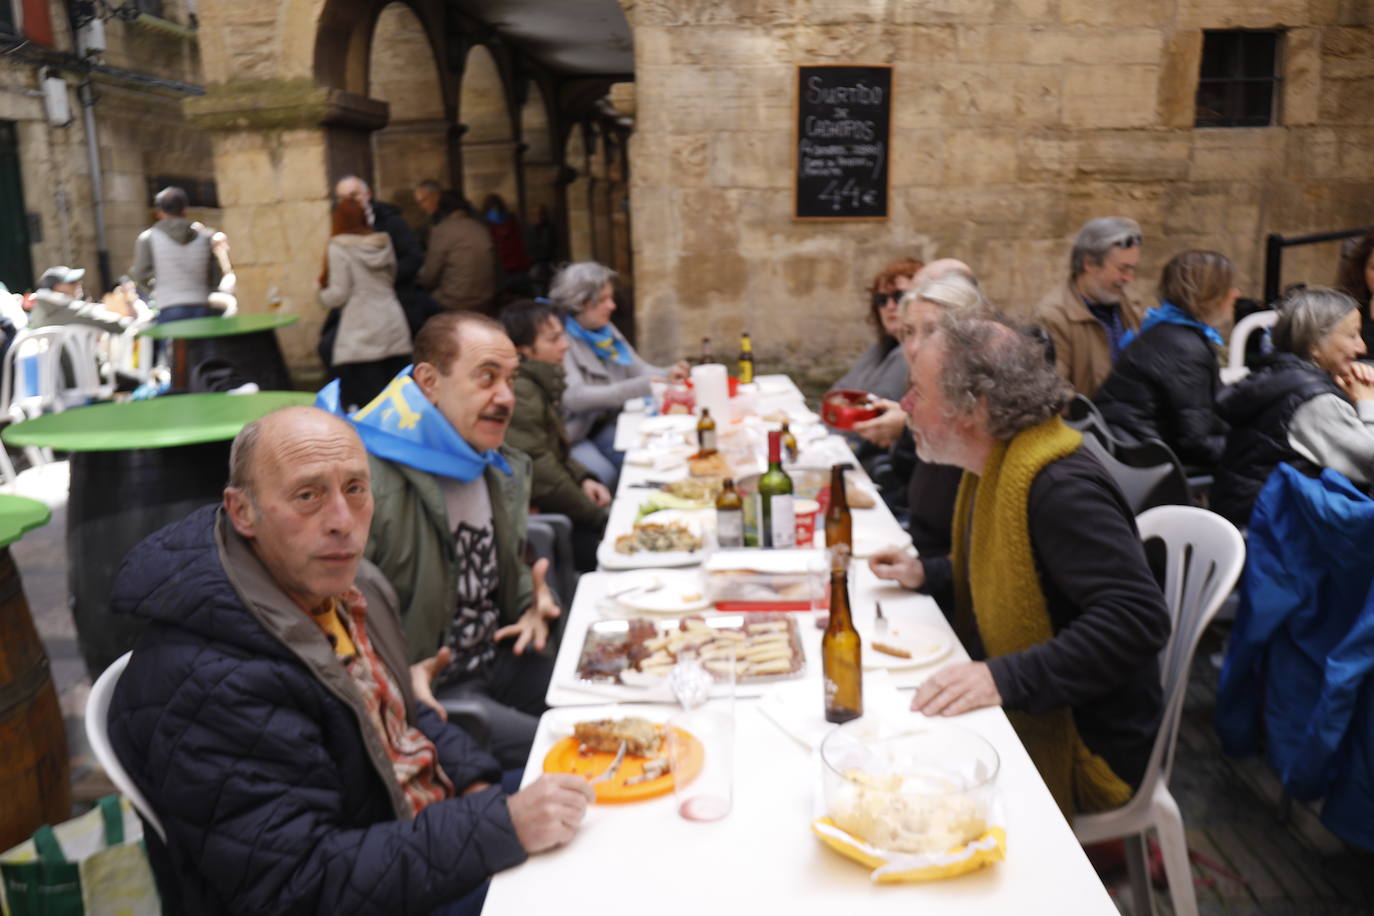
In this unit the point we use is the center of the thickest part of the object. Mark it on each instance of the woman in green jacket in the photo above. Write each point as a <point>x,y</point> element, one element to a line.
<point>560,484</point>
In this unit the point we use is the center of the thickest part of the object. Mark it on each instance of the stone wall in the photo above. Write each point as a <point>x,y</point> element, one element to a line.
<point>1013,122</point>
<point>139,129</point>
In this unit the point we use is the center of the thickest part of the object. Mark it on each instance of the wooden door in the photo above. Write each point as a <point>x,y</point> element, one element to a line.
<point>16,271</point>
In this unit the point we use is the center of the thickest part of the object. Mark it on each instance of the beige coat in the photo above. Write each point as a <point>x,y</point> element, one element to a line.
<point>372,326</point>
<point>460,264</point>
<point>1082,353</point>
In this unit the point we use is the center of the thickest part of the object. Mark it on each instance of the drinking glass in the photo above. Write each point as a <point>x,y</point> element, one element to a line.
<point>701,739</point>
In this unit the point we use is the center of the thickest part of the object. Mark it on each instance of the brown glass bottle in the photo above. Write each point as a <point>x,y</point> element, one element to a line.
<point>706,433</point>
<point>706,351</point>
<point>746,359</point>
<point>841,653</point>
<point>729,516</point>
<point>839,524</point>
<point>789,445</point>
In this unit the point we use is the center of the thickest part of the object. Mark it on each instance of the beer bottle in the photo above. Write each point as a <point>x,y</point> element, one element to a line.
<point>841,652</point>
<point>706,434</point>
<point>746,359</point>
<point>777,520</point>
<point>789,445</point>
<point>729,516</point>
<point>705,350</point>
<point>839,524</point>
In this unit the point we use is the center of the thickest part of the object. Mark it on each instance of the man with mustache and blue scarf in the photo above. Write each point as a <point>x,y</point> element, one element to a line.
<point>448,531</point>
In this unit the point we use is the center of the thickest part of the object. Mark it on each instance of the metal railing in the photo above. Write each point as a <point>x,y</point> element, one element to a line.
<point>1274,244</point>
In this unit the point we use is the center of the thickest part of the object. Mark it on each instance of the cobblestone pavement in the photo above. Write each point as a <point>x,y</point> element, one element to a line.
<point>1273,857</point>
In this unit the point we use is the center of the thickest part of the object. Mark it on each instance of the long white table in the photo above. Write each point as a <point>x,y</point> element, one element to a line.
<point>632,858</point>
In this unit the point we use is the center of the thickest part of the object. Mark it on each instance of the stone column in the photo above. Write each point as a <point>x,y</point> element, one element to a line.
<point>277,145</point>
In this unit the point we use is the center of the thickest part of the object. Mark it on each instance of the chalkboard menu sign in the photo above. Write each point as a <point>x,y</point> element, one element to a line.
<point>844,120</point>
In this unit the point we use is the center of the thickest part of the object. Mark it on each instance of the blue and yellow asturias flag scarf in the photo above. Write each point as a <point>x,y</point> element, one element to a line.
<point>400,425</point>
<point>604,343</point>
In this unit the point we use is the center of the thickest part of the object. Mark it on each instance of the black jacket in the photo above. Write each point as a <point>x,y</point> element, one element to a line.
<point>1107,613</point>
<point>243,731</point>
<point>1259,408</point>
<point>409,255</point>
<point>1164,386</point>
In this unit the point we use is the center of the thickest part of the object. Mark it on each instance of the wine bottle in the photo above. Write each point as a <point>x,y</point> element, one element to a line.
<point>777,520</point>
<point>841,653</point>
<point>705,350</point>
<point>706,434</point>
<point>839,524</point>
<point>729,516</point>
<point>789,445</point>
<point>746,359</point>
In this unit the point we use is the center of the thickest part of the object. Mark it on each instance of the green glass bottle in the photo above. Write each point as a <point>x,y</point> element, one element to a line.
<point>777,520</point>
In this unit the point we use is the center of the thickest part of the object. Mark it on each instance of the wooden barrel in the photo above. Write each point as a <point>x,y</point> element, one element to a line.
<point>116,499</point>
<point>257,356</point>
<point>35,778</point>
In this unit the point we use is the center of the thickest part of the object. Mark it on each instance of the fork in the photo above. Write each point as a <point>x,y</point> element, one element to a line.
<point>610,770</point>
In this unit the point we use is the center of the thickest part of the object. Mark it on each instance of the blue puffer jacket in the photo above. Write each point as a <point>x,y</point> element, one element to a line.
<point>247,736</point>
<point>1297,680</point>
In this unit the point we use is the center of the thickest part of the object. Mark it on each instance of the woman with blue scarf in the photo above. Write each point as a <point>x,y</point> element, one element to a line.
<point>1164,384</point>
<point>603,370</point>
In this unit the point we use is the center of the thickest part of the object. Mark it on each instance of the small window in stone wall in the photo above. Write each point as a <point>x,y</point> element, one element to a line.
<point>200,192</point>
<point>1239,78</point>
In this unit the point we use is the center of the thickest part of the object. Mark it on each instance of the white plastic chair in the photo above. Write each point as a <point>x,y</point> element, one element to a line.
<point>98,735</point>
<point>1205,554</point>
<point>1240,336</point>
<point>25,395</point>
<point>85,347</point>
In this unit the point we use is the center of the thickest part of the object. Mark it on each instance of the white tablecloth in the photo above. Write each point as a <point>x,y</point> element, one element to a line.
<point>762,858</point>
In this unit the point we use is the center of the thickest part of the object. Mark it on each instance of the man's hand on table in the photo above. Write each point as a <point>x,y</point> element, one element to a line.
<point>886,428</point>
<point>422,676</point>
<point>547,811</point>
<point>533,625</point>
<point>596,491</point>
<point>896,564</point>
<point>957,689</point>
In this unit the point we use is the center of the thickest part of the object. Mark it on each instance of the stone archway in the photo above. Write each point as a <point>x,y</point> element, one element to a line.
<point>402,71</point>
<point>580,240</point>
<point>488,132</point>
<point>540,160</point>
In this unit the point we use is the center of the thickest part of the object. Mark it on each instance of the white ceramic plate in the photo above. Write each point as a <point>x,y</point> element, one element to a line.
<point>677,591</point>
<point>867,542</point>
<point>610,558</point>
<point>926,645</point>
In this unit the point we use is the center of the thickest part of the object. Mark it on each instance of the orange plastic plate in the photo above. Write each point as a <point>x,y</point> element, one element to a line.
<point>563,757</point>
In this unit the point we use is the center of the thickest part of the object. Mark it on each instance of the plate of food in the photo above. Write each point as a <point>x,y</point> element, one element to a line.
<point>640,652</point>
<point>662,539</point>
<point>660,591</point>
<point>643,772</point>
<point>908,645</point>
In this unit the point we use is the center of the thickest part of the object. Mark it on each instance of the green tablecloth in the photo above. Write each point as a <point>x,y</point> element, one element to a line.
<point>180,419</point>
<point>18,514</point>
<point>194,328</point>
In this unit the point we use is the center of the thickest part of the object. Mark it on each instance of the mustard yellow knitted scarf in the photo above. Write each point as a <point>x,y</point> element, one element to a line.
<point>996,585</point>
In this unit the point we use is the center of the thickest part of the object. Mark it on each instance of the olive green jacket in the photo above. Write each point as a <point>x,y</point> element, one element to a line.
<point>412,544</point>
<point>537,430</point>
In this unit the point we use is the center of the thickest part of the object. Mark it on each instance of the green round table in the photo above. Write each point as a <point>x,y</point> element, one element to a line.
<point>19,514</point>
<point>249,342</point>
<point>136,467</point>
<point>35,780</point>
